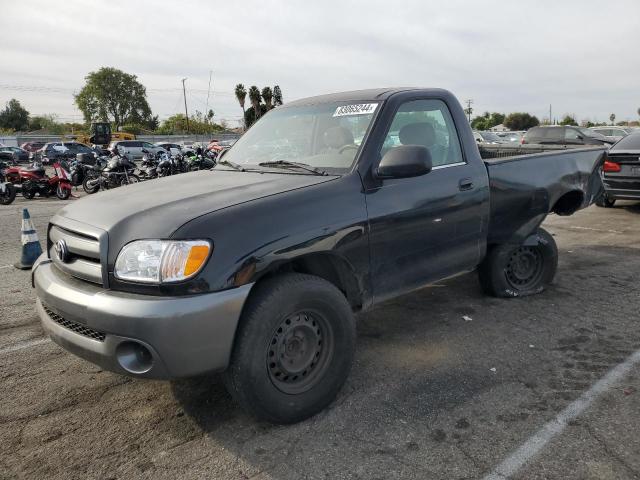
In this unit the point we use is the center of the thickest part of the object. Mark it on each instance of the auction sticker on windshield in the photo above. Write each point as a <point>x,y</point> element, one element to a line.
<point>357,109</point>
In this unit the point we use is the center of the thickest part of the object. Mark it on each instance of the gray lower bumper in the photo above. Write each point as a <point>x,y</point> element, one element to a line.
<point>184,336</point>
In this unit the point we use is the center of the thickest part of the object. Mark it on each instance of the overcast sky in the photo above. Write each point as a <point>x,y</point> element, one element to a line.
<point>579,56</point>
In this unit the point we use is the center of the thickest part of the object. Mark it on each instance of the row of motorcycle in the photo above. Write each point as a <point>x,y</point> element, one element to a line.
<point>96,171</point>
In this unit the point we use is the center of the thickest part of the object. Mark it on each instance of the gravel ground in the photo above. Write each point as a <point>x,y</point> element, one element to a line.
<point>431,395</point>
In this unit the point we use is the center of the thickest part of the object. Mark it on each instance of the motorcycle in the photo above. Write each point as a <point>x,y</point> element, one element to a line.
<point>84,166</point>
<point>199,161</point>
<point>117,172</point>
<point>7,190</point>
<point>33,180</point>
<point>149,166</point>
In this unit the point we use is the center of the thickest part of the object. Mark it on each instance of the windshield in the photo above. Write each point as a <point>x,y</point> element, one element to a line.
<point>325,136</point>
<point>590,133</point>
<point>630,142</point>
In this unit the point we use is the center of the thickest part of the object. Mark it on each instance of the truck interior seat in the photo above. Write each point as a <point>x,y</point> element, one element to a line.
<point>337,137</point>
<point>423,133</point>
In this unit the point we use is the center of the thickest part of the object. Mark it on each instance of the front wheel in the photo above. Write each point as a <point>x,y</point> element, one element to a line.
<point>518,270</point>
<point>62,193</point>
<point>131,179</point>
<point>605,201</point>
<point>28,191</point>
<point>8,195</point>
<point>293,349</point>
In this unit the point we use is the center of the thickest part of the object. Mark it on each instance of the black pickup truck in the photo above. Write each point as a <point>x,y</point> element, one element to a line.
<point>325,207</point>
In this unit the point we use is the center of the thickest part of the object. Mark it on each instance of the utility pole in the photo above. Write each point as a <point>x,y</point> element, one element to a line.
<point>550,118</point>
<point>184,92</point>
<point>469,110</point>
<point>206,114</point>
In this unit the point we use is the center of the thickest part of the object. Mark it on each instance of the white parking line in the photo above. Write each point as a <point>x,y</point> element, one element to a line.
<point>575,227</point>
<point>542,437</point>
<point>23,345</point>
<point>5,266</point>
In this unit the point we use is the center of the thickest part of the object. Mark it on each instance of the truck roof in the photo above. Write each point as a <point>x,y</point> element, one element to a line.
<point>358,95</point>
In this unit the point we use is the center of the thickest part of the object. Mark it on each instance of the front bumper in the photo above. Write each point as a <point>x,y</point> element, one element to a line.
<point>140,335</point>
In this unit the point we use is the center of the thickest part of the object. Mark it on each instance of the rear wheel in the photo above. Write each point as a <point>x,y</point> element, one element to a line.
<point>28,191</point>
<point>62,193</point>
<point>91,185</point>
<point>519,270</point>
<point>293,349</point>
<point>8,195</point>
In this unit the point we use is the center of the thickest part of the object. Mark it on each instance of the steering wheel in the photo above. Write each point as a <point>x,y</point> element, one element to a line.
<point>347,147</point>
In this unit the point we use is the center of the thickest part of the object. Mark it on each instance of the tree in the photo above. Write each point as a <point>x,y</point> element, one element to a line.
<point>241,95</point>
<point>113,95</point>
<point>520,121</point>
<point>267,95</point>
<point>14,116</point>
<point>568,120</point>
<point>277,97</point>
<point>487,121</point>
<point>612,117</point>
<point>254,98</point>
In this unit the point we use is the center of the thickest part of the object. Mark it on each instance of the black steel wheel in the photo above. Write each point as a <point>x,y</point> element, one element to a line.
<point>293,349</point>
<point>298,351</point>
<point>518,270</point>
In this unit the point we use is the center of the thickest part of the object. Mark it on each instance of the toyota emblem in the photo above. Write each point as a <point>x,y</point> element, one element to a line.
<point>62,252</point>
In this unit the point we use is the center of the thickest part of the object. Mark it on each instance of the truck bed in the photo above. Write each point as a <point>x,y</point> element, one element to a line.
<point>526,188</point>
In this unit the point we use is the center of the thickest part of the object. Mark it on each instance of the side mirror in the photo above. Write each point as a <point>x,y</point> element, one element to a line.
<point>479,140</point>
<point>405,161</point>
<point>144,150</point>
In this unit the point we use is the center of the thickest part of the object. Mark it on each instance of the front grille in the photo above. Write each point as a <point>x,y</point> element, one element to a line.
<point>74,326</point>
<point>83,257</point>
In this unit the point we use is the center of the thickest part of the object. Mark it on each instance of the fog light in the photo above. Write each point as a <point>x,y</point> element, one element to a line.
<point>134,357</point>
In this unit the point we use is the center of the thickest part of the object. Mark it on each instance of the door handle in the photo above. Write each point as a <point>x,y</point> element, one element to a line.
<point>465,184</point>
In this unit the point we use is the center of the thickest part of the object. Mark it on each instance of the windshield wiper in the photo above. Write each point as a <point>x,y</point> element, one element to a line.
<point>231,164</point>
<point>288,164</point>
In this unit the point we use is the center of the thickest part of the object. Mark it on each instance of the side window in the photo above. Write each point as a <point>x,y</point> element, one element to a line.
<point>145,145</point>
<point>571,134</point>
<point>427,123</point>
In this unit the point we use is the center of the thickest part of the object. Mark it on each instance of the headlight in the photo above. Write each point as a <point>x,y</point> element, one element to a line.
<point>161,261</point>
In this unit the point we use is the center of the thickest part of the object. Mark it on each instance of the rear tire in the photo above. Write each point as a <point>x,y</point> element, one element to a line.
<point>130,181</point>
<point>28,192</point>
<point>9,194</point>
<point>293,348</point>
<point>518,270</point>
<point>91,185</point>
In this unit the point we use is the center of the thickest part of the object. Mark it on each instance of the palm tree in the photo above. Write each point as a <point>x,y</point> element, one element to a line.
<point>254,98</point>
<point>612,117</point>
<point>241,95</point>
<point>267,95</point>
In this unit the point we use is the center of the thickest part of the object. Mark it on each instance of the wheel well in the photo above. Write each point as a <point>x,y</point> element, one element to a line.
<point>329,267</point>
<point>568,203</point>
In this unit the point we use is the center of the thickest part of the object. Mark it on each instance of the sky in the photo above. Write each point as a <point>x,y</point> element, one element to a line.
<point>578,56</point>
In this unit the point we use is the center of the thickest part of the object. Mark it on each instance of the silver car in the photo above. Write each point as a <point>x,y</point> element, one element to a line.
<point>612,133</point>
<point>133,148</point>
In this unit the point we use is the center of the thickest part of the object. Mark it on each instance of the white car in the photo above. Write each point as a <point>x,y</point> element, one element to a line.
<point>174,147</point>
<point>612,133</point>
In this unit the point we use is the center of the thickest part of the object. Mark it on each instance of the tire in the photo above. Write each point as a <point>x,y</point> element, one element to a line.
<point>91,185</point>
<point>27,192</point>
<point>9,194</point>
<point>309,320</point>
<point>519,270</point>
<point>605,202</point>
<point>62,193</point>
<point>130,181</point>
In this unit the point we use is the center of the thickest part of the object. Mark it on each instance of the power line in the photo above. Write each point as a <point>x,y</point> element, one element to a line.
<point>45,89</point>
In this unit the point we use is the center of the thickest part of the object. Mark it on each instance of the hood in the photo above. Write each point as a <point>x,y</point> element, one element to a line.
<point>156,208</point>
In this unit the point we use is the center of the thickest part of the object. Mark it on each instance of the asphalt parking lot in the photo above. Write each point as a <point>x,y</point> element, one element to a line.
<point>432,395</point>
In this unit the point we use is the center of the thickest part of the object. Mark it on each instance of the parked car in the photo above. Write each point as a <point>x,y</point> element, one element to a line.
<point>621,172</point>
<point>564,135</point>
<point>175,148</point>
<point>32,147</point>
<point>256,269</point>
<point>613,133</point>
<point>487,137</point>
<point>54,150</point>
<point>18,154</point>
<point>511,137</point>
